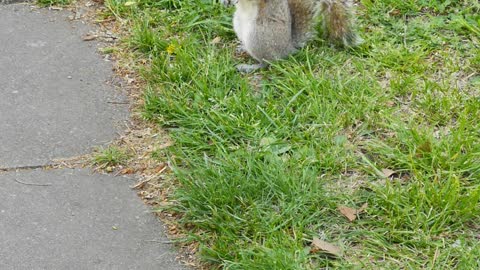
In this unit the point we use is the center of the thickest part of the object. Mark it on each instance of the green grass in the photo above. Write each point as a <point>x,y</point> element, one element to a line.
<point>264,162</point>
<point>47,3</point>
<point>110,156</point>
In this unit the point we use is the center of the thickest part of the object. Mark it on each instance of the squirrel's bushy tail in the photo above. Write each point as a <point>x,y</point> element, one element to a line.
<point>338,22</point>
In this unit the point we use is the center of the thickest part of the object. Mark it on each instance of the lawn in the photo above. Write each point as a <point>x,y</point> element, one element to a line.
<point>265,162</point>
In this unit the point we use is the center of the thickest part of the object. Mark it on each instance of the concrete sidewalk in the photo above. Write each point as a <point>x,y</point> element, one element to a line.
<point>55,103</point>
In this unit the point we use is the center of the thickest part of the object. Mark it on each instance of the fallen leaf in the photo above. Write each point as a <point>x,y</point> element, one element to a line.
<point>395,12</point>
<point>349,213</point>
<point>387,172</point>
<point>127,171</point>
<point>322,246</point>
<point>216,40</point>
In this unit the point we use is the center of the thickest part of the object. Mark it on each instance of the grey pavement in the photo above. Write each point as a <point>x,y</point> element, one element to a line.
<point>55,103</point>
<point>6,2</point>
<point>77,221</point>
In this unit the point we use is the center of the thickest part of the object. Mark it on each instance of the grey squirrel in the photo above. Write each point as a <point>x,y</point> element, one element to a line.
<point>273,29</point>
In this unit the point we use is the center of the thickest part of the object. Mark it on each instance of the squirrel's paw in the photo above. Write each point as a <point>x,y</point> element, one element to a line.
<point>245,68</point>
<point>240,49</point>
<point>228,2</point>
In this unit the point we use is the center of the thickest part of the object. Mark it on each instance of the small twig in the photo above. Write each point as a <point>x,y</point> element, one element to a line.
<point>105,20</point>
<point>31,184</point>
<point>471,75</point>
<point>118,102</point>
<point>139,184</point>
<point>160,241</point>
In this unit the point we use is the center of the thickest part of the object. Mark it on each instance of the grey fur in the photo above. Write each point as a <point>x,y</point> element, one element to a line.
<point>273,29</point>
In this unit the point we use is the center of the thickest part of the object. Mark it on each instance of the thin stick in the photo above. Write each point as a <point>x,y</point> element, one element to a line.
<point>139,184</point>
<point>118,102</point>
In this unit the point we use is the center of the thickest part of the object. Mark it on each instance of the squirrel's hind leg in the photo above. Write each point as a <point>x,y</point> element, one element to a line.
<point>246,68</point>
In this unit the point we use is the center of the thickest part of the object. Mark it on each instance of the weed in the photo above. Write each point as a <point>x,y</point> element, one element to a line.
<point>110,156</point>
<point>53,2</point>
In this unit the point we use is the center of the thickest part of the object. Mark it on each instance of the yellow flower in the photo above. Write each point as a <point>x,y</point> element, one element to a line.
<point>171,49</point>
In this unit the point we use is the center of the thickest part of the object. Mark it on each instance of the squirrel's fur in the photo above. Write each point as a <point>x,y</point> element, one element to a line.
<point>273,29</point>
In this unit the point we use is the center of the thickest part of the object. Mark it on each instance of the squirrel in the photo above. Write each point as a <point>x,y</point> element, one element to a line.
<point>273,29</point>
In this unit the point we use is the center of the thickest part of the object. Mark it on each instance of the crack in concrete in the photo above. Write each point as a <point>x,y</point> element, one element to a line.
<point>72,162</point>
<point>6,2</point>
<point>29,167</point>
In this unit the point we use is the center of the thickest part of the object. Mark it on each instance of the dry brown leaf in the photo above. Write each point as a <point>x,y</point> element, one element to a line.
<point>349,213</point>
<point>395,12</point>
<point>391,103</point>
<point>216,40</point>
<point>127,171</point>
<point>387,172</point>
<point>322,246</point>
